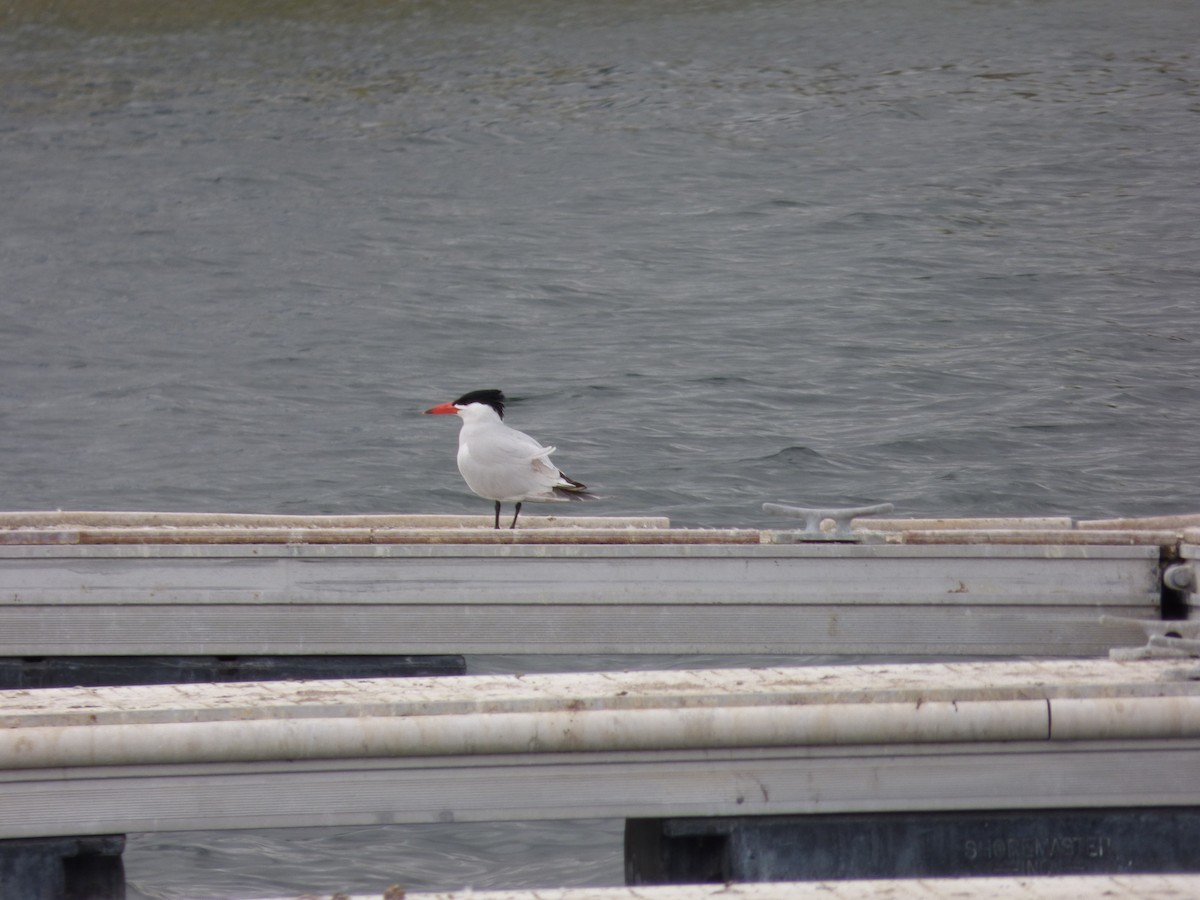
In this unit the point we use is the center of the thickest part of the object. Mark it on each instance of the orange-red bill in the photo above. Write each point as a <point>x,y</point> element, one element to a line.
<point>442,409</point>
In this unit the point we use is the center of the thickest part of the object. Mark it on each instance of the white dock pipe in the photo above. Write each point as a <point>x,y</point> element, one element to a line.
<point>558,731</point>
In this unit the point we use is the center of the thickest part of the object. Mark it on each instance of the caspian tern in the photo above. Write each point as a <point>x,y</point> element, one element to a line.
<point>500,463</point>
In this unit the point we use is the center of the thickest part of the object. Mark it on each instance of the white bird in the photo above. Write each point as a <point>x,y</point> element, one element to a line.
<point>500,463</point>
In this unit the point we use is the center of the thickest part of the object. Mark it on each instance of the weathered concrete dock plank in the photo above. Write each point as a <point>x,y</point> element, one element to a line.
<point>613,535</point>
<point>1070,887</point>
<point>1040,537</point>
<point>50,520</point>
<point>1021,523</point>
<point>1144,523</point>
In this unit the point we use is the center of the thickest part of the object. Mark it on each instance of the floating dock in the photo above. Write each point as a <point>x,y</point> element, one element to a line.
<point>113,584</point>
<point>979,736</point>
<point>1071,765</point>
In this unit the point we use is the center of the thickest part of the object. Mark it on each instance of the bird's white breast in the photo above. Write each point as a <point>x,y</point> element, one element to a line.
<point>501,463</point>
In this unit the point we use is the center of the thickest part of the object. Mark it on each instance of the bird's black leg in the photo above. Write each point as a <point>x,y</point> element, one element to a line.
<point>497,514</point>
<point>517,513</point>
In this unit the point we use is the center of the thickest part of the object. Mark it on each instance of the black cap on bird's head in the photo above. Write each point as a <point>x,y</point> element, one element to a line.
<point>490,397</point>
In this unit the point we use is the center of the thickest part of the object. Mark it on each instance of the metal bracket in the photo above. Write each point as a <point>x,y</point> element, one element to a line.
<point>1164,639</point>
<point>813,517</point>
<point>1180,576</point>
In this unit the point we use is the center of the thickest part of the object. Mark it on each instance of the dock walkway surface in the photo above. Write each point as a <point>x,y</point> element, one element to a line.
<point>999,735</point>
<point>112,584</point>
<point>1108,887</point>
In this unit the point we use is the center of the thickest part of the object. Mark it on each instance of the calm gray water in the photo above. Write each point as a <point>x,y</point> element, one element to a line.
<point>937,252</point>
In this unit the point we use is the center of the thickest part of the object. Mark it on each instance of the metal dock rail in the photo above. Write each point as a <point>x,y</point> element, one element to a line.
<point>110,584</point>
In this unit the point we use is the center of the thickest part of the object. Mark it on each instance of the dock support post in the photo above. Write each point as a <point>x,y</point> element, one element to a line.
<point>654,854</point>
<point>1160,840</point>
<point>63,868</point>
<point>104,671</point>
